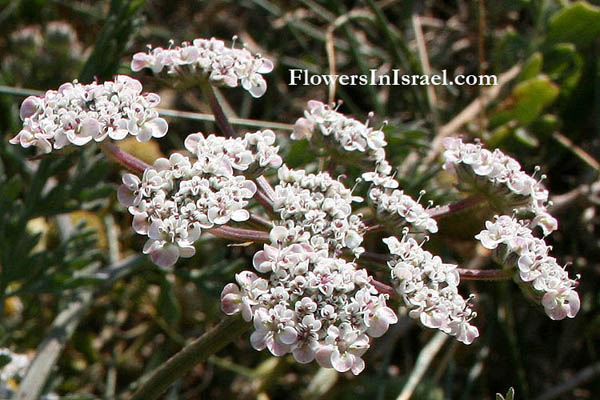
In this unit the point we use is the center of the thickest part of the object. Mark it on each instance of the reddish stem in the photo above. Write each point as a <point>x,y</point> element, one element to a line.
<point>465,273</point>
<point>382,287</point>
<point>240,234</point>
<point>220,117</point>
<point>449,209</point>
<point>484,274</point>
<point>129,161</point>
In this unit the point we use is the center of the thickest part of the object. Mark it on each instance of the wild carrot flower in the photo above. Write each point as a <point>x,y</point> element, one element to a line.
<point>429,288</point>
<point>515,247</point>
<point>305,302</point>
<point>501,177</point>
<point>212,59</point>
<point>77,114</point>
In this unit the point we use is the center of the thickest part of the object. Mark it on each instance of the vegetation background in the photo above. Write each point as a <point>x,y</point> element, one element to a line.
<point>70,265</point>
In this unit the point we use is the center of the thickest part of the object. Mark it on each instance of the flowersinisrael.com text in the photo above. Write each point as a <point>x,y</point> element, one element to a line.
<point>394,78</point>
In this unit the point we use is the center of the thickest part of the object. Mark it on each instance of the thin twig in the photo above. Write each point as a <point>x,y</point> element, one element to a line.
<point>452,208</point>
<point>578,151</point>
<point>425,358</point>
<point>330,47</point>
<point>425,66</point>
<point>585,375</point>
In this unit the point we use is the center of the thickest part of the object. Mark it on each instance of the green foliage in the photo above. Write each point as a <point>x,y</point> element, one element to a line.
<point>136,323</point>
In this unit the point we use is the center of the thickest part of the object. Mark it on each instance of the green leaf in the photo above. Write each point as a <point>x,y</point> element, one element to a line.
<point>532,66</point>
<point>564,65</point>
<point>168,306</point>
<point>11,189</point>
<point>577,23</point>
<point>527,101</point>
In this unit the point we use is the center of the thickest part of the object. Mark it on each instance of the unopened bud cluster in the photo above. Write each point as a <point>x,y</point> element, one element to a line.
<point>502,177</point>
<point>220,64</point>
<point>429,288</point>
<point>78,113</point>
<point>309,304</point>
<point>515,246</point>
<point>176,198</point>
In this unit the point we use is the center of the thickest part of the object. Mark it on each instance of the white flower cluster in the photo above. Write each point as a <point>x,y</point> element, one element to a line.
<point>222,65</point>
<point>328,128</point>
<point>397,209</point>
<point>429,289</point>
<point>514,245</point>
<point>77,114</point>
<point>503,176</point>
<point>15,368</point>
<point>252,154</point>
<point>176,199</point>
<point>310,304</point>
<point>318,208</point>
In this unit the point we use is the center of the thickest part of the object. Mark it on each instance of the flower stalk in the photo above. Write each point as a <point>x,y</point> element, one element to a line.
<point>220,117</point>
<point>453,208</point>
<point>191,355</point>
<point>121,156</point>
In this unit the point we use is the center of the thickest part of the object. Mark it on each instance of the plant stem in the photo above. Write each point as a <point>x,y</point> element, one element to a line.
<point>220,117</point>
<point>187,358</point>
<point>452,208</point>
<point>229,232</point>
<point>128,160</point>
<point>382,287</point>
<point>484,274</point>
<point>466,274</point>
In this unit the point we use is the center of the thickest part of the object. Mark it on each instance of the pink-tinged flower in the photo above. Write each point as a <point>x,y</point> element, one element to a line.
<point>274,330</point>
<point>163,254</point>
<point>429,288</point>
<point>156,128</point>
<point>463,331</point>
<point>30,107</point>
<point>77,114</point>
<point>561,303</point>
<point>212,60</point>
<point>344,350</point>
<point>515,246</point>
<point>381,320</point>
<point>129,193</point>
<point>328,128</point>
<point>499,175</point>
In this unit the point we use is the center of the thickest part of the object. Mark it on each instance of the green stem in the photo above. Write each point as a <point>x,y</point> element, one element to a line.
<point>220,117</point>
<point>191,355</point>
